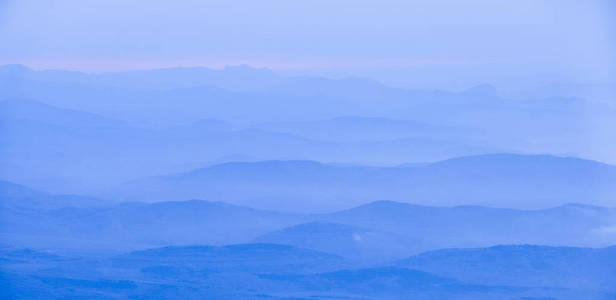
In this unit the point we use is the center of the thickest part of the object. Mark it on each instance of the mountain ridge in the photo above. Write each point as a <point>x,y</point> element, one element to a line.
<point>498,180</point>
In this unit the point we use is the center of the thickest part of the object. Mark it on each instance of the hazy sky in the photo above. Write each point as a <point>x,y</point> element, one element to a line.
<point>401,42</point>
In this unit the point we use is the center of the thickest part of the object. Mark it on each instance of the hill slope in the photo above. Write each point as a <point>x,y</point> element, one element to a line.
<point>523,265</point>
<point>501,180</point>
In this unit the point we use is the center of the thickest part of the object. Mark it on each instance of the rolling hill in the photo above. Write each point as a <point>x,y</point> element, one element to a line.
<point>523,265</point>
<point>496,180</point>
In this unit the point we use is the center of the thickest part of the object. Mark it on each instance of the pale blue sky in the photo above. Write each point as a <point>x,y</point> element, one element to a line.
<point>412,43</point>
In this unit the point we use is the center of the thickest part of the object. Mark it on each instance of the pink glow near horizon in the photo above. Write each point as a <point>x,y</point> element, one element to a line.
<point>97,65</point>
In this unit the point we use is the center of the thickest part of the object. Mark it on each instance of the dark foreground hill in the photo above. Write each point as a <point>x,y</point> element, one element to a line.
<point>523,265</point>
<point>262,271</point>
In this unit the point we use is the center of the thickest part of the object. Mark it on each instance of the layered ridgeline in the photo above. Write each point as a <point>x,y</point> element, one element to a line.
<point>81,223</point>
<point>522,265</point>
<point>254,95</point>
<point>290,170</point>
<point>252,271</point>
<point>385,229</point>
<point>373,232</point>
<point>497,180</point>
<point>57,149</point>
<point>163,121</point>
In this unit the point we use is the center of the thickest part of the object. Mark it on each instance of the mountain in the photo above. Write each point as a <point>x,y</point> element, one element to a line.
<point>14,110</point>
<point>485,90</point>
<point>383,282</point>
<point>356,129</point>
<point>375,231</point>
<point>475,226</point>
<point>255,271</point>
<point>123,226</point>
<point>517,272</point>
<point>16,196</point>
<point>166,120</point>
<point>523,265</point>
<point>55,149</point>
<point>384,230</point>
<point>254,258</point>
<point>46,146</point>
<point>239,78</point>
<point>171,97</point>
<point>168,96</point>
<point>599,92</point>
<point>347,241</point>
<point>26,215</point>
<point>13,190</point>
<point>497,180</point>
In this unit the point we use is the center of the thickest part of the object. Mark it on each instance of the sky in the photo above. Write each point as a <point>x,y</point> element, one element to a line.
<point>441,44</point>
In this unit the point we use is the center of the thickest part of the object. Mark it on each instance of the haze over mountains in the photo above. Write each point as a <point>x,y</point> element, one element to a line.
<point>79,141</point>
<point>503,265</point>
<point>174,120</point>
<point>275,271</point>
<point>377,231</point>
<point>87,249</point>
<point>243,183</point>
<point>301,150</point>
<point>497,180</point>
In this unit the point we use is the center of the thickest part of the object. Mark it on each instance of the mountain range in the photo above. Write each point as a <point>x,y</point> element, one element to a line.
<point>275,271</point>
<point>248,96</point>
<point>76,142</point>
<point>243,183</point>
<point>496,180</point>
<point>373,232</point>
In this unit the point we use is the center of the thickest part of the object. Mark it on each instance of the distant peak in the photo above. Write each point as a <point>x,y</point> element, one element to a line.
<point>579,206</point>
<point>483,90</point>
<point>503,158</point>
<point>245,67</point>
<point>275,162</point>
<point>385,204</point>
<point>360,119</point>
<point>10,189</point>
<point>319,226</point>
<point>15,68</point>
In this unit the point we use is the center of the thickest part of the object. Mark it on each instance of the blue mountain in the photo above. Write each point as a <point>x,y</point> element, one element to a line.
<point>497,180</point>
<point>523,265</point>
<point>352,242</point>
<point>276,271</point>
